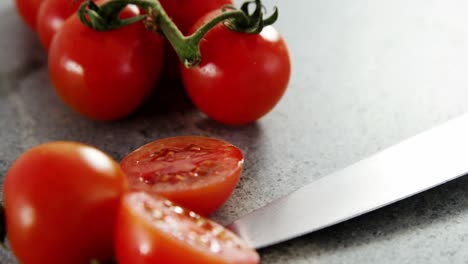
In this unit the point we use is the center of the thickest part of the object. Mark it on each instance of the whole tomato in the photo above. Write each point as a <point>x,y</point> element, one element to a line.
<point>51,16</point>
<point>198,173</point>
<point>241,76</point>
<point>61,202</point>
<point>105,75</point>
<point>28,10</point>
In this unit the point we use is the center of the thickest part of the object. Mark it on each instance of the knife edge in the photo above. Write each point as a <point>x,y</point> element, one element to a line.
<point>415,165</point>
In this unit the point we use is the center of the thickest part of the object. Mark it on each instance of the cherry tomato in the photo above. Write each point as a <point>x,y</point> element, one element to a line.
<point>197,172</point>
<point>51,16</point>
<point>154,230</point>
<point>61,201</point>
<point>28,10</point>
<point>241,77</point>
<point>105,75</point>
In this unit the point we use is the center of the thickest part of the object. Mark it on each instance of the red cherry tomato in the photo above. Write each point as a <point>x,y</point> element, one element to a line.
<point>241,77</point>
<point>61,202</point>
<point>52,15</point>
<point>154,230</point>
<point>28,10</point>
<point>197,172</point>
<point>105,75</point>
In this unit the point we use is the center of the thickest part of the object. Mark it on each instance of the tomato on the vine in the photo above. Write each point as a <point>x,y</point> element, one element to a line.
<point>51,16</point>
<point>185,13</point>
<point>61,201</point>
<point>151,229</point>
<point>197,172</point>
<point>105,75</point>
<point>28,10</point>
<point>241,76</point>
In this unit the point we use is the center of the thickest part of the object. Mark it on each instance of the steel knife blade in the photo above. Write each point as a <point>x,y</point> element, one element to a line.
<point>410,167</point>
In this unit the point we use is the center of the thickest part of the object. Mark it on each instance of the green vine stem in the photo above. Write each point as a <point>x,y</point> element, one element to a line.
<point>106,17</point>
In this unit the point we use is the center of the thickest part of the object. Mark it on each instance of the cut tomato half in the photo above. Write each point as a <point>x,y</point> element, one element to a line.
<point>151,229</point>
<point>198,173</point>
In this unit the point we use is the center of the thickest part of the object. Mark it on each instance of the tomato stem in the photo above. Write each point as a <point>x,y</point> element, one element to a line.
<point>106,17</point>
<point>188,47</point>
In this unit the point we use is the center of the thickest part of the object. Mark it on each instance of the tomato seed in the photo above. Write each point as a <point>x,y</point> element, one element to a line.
<point>178,210</point>
<point>193,147</point>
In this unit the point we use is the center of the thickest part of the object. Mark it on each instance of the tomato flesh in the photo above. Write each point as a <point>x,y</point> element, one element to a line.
<point>61,201</point>
<point>151,229</point>
<point>197,172</point>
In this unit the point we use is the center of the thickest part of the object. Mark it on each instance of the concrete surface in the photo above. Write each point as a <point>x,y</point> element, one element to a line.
<point>366,75</point>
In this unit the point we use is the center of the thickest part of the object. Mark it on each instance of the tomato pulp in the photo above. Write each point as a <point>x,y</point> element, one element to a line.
<point>61,202</point>
<point>151,229</point>
<point>197,172</point>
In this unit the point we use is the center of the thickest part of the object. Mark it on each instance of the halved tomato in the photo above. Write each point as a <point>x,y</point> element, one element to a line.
<point>197,172</point>
<point>151,229</point>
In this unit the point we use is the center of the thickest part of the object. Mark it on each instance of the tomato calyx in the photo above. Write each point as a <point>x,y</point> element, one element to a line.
<point>105,17</point>
<point>253,22</point>
<point>187,48</point>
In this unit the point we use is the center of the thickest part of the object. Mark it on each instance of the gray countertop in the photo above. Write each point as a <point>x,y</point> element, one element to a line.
<point>366,75</point>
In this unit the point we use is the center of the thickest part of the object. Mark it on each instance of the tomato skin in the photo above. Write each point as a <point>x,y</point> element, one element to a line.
<point>241,77</point>
<point>28,10</point>
<point>61,201</point>
<point>105,75</point>
<point>51,16</point>
<point>198,173</point>
<point>151,230</point>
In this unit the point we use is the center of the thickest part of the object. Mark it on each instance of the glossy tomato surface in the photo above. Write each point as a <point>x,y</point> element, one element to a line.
<point>241,77</point>
<point>105,75</point>
<point>199,173</point>
<point>28,10</point>
<point>154,230</point>
<point>61,202</point>
<point>51,16</point>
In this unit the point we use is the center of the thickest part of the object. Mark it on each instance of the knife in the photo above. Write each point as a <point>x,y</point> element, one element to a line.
<point>410,167</point>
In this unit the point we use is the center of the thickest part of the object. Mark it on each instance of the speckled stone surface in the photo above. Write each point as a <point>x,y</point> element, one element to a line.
<point>366,75</point>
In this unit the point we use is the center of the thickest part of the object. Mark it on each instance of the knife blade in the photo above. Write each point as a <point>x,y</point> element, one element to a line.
<point>410,167</point>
